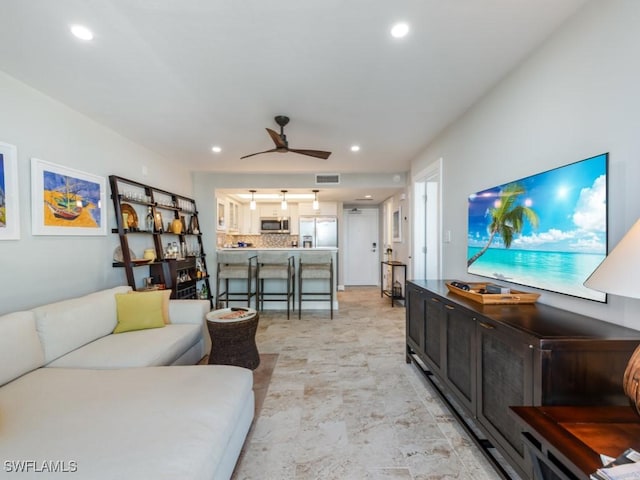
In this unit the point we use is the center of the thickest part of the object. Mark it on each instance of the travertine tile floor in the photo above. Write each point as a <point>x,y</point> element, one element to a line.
<point>343,404</point>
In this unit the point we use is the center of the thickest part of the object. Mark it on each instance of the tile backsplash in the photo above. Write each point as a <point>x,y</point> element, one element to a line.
<point>270,240</point>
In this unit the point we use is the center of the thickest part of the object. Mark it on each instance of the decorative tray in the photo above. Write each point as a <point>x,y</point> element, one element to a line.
<point>230,314</point>
<point>132,216</point>
<point>477,293</point>
<point>140,261</point>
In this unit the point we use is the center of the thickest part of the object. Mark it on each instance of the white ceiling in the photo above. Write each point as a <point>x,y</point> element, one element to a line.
<point>179,76</point>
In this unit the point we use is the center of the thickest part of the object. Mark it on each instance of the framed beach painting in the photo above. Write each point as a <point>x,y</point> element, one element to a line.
<point>65,201</point>
<point>9,212</point>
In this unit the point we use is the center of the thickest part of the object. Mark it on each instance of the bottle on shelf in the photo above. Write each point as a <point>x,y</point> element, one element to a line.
<point>149,221</point>
<point>204,293</point>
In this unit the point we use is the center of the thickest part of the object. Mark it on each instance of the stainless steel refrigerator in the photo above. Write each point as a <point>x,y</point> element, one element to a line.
<point>322,231</point>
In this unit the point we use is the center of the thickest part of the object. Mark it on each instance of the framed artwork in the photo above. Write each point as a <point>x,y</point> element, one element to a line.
<point>9,211</point>
<point>65,201</point>
<point>397,225</point>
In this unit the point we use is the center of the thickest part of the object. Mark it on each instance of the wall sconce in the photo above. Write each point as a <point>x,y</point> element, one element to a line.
<point>283,205</point>
<point>316,204</point>
<point>252,203</point>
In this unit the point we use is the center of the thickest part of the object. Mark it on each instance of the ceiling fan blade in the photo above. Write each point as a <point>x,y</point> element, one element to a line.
<point>312,153</point>
<point>259,153</point>
<point>277,139</point>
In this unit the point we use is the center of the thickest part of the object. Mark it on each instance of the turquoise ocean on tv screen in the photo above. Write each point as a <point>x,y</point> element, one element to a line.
<point>558,271</point>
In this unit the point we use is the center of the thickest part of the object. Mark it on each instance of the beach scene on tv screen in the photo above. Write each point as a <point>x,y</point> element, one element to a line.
<point>548,231</point>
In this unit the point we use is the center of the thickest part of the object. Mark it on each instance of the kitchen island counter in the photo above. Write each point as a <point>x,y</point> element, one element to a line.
<point>293,249</point>
<point>310,285</point>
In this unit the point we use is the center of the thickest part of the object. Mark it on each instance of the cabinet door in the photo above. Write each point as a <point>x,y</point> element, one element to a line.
<point>415,319</point>
<point>434,317</point>
<point>294,226</point>
<point>270,210</point>
<point>460,344</point>
<point>505,378</point>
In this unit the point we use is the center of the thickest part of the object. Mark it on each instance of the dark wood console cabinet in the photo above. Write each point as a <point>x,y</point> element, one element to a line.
<point>484,359</point>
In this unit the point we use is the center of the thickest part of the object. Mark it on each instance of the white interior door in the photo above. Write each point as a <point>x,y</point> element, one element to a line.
<point>362,249</point>
<point>427,233</point>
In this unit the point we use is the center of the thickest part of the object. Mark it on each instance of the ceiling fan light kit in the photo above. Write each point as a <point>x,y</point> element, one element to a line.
<point>282,145</point>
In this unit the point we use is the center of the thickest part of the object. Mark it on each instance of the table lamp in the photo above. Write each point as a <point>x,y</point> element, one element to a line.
<point>619,274</point>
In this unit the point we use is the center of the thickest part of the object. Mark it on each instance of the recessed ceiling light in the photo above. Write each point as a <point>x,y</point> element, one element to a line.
<point>355,148</point>
<point>81,32</point>
<point>216,149</point>
<point>399,30</point>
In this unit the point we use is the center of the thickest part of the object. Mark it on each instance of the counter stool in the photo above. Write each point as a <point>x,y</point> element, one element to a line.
<point>315,266</point>
<point>276,266</point>
<point>236,266</point>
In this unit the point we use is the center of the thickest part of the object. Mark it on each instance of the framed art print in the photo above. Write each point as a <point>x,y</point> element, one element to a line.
<point>65,201</point>
<point>396,226</point>
<point>9,211</point>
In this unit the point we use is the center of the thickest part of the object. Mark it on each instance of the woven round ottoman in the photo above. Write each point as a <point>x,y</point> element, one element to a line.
<point>233,337</point>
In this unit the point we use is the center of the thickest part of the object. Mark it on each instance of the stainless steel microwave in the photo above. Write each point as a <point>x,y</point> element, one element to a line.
<point>274,224</point>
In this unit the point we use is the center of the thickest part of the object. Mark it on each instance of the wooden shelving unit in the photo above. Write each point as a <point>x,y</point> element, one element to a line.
<point>185,273</point>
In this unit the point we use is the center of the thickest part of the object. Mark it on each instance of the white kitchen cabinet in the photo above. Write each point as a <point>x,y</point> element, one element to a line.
<point>250,224</point>
<point>326,208</point>
<point>234,214</point>
<point>293,218</point>
<point>271,210</point>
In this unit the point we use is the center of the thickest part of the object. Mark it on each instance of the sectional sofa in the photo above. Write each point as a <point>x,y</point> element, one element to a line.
<point>75,397</point>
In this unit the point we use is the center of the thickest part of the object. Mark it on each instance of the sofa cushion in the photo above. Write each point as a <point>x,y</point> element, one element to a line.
<point>143,423</point>
<point>20,348</point>
<point>166,296</point>
<point>140,348</point>
<point>139,312</point>
<point>67,325</point>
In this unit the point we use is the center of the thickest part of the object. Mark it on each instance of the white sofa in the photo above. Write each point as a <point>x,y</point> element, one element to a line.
<point>75,397</point>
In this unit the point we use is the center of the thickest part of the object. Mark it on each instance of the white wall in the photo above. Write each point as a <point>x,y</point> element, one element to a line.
<point>577,97</point>
<point>39,269</point>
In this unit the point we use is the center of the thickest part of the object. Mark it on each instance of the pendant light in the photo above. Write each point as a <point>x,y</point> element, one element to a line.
<point>283,205</point>
<point>252,203</point>
<point>316,204</point>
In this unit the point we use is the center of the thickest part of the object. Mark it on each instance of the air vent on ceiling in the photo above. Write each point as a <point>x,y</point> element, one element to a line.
<point>327,178</point>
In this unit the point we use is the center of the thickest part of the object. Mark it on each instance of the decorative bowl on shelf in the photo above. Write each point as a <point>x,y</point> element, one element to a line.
<point>149,254</point>
<point>118,254</point>
<point>140,261</point>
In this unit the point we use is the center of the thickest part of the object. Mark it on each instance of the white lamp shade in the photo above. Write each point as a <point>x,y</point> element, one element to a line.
<point>619,273</point>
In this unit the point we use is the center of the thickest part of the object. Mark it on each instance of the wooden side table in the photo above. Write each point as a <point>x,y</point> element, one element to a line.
<point>233,337</point>
<point>565,443</point>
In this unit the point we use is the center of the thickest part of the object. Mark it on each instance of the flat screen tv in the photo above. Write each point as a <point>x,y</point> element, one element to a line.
<point>547,231</point>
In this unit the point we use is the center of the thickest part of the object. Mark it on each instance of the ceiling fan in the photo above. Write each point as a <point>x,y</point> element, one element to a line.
<point>282,145</point>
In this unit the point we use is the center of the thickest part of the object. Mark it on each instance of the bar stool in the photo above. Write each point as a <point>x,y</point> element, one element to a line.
<point>236,266</point>
<point>315,266</point>
<point>277,266</point>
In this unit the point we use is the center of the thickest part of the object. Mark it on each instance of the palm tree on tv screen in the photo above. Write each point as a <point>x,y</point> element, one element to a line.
<point>507,218</point>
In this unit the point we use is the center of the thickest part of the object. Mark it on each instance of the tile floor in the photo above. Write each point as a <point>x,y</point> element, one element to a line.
<point>343,404</point>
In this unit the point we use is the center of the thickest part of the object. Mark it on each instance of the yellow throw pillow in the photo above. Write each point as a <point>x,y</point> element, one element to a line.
<point>139,312</point>
<point>165,304</point>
